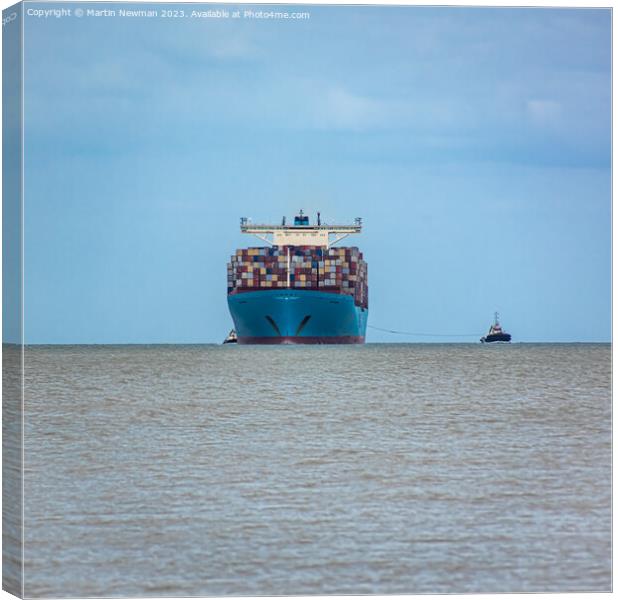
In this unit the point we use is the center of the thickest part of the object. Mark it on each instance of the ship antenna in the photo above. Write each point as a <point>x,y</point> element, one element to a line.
<point>496,317</point>
<point>318,218</point>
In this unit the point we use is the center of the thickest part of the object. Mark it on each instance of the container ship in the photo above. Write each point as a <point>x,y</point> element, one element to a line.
<point>300,288</point>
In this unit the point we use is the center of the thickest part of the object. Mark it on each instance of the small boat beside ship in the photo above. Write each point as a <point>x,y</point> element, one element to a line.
<point>496,333</point>
<point>231,338</point>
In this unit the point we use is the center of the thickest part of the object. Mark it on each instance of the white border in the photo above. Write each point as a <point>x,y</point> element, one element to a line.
<point>453,3</point>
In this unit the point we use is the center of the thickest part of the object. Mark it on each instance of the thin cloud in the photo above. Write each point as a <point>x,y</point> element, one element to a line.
<point>342,109</point>
<point>544,112</point>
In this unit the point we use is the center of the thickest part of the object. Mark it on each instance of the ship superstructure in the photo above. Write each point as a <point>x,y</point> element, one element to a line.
<point>301,233</point>
<point>300,288</point>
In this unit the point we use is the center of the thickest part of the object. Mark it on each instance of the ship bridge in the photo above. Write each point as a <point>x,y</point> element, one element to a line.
<point>301,233</point>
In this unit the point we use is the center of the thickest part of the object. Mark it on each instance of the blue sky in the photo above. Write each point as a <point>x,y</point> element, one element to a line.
<point>474,142</point>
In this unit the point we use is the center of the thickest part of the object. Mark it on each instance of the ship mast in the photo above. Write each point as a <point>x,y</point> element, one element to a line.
<point>301,233</point>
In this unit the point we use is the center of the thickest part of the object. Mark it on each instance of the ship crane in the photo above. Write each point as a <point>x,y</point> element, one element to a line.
<point>301,233</point>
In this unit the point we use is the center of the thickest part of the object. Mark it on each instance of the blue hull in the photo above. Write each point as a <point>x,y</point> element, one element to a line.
<point>297,317</point>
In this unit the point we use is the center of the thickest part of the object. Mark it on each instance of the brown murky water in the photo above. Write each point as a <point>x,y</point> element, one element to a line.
<point>212,470</point>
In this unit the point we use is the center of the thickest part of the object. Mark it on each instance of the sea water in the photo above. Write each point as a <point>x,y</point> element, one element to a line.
<point>376,469</point>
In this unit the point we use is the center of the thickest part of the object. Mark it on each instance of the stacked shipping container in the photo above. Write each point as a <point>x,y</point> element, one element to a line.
<point>338,270</point>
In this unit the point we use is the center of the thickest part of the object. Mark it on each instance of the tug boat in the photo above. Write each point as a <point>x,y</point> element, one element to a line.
<point>496,334</point>
<point>231,338</point>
